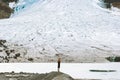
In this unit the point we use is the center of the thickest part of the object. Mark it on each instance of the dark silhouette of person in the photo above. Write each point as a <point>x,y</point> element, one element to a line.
<point>59,61</point>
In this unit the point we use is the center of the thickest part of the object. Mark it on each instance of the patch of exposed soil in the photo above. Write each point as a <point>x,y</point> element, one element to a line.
<point>32,76</point>
<point>5,10</point>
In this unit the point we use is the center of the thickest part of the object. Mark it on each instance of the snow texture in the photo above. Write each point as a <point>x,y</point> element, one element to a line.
<point>73,27</point>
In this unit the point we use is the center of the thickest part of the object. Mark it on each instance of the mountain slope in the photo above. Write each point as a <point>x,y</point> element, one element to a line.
<point>73,28</point>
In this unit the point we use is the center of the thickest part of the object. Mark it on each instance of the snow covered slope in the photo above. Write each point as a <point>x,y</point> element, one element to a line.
<point>76,28</point>
<point>24,4</point>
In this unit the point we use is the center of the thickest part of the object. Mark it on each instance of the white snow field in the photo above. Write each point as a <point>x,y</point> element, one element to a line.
<point>76,70</point>
<point>78,29</point>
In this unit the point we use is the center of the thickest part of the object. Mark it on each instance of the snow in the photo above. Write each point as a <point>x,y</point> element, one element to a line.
<point>12,5</point>
<point>67,26</point>
<point>76,70</point>
<point>77,27</point>
<point>23,5</point>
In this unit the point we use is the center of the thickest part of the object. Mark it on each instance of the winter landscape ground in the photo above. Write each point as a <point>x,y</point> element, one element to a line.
<point>76,31</point>
<point>85,33</point>
<point>80,71</point>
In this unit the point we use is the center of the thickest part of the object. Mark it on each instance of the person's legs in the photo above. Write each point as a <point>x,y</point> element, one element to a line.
<point>58,69</point>
<point>58,66</point>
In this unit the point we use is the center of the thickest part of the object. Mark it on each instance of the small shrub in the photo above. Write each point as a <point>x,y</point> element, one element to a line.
<point>1,50</point>
<point>114,59</point>
<point>2,42</point>
<point>7,52</point>
<point>12,50</point>
<point>17,55</point>
<point>12,72</point>
<point>30,59</point>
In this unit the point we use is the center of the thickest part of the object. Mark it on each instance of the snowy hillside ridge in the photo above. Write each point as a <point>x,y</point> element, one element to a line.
<point>78,31</point>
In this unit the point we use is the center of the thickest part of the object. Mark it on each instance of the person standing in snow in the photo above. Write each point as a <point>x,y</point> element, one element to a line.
<point>59,61</point>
